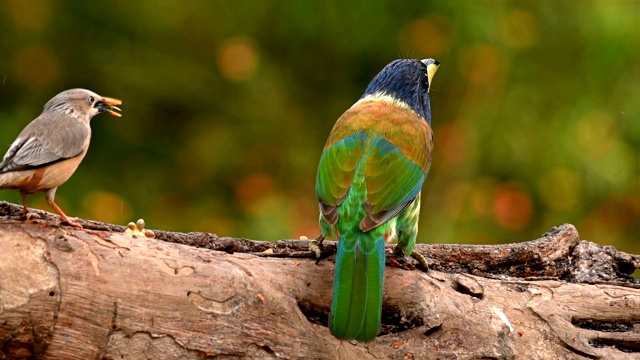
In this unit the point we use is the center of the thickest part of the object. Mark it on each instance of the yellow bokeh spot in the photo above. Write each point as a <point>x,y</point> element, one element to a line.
<point>238,59</point>
<point>429,36</point>
<point>560,188</point>
<point>106,207</point>
<point>603,151</point>
<point>596,133</point>
<point>483,64</point>
<point>520,29</point>
<point>35,66</point>
<point>456,200</point>
<point>253,188</point>
<point>480,196</point>
<point>618,165</point>
<point>27,14</point>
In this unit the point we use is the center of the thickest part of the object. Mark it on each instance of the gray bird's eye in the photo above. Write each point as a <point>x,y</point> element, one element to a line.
<point>91,99</point>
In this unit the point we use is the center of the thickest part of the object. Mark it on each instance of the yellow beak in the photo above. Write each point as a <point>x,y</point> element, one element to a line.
<point>431,70</point>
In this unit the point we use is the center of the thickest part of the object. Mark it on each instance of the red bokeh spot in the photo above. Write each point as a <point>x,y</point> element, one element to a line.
<point>512,207</point>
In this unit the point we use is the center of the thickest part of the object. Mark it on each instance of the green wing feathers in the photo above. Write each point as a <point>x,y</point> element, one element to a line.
<point>392,182</point>
<point>337,168</point>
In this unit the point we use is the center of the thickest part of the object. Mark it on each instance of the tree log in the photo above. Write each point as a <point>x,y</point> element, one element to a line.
<point>98,293</point>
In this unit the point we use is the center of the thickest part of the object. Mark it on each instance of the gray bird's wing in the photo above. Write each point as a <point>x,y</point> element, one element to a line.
<point>51,137</point>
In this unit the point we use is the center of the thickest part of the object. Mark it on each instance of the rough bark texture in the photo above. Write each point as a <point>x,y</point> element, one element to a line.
<point>96,293</point>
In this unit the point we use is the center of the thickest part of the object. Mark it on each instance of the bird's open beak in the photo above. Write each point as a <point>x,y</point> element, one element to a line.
<point>109,106</point>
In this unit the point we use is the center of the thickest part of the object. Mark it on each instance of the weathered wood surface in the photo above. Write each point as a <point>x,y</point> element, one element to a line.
<point>97,293</point>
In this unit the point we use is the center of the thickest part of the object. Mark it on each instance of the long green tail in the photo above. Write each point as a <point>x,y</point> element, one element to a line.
<point>357,288</point>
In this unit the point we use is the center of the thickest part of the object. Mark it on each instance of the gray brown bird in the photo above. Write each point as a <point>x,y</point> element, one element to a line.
<point>48,150</point>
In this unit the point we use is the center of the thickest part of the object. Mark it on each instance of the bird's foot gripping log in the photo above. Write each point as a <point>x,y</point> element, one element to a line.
<point>50,148</point>
<point>399,253</point>
<point>368,187</point>
<point>26,214</point>
<point>315,246</point>
<point>64,219</point>
<point>320,251</point>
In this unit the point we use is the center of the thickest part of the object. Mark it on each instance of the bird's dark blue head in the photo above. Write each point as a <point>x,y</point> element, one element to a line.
<point>408,81</point>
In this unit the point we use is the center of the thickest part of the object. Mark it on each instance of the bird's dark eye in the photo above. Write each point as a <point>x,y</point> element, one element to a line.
<point>425,81</point>
<point>91,99</point>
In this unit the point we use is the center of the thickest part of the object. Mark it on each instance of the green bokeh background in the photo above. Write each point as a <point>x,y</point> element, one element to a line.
<point>227,105</point>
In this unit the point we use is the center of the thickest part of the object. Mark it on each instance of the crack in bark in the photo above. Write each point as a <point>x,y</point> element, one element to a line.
<point>208,305</point>
<point>56,311</point>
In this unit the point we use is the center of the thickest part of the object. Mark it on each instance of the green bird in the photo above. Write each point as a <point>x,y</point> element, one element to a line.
<point>368,187</point>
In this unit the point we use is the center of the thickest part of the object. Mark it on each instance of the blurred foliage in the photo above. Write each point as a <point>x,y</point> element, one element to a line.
<point>227,105</point>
